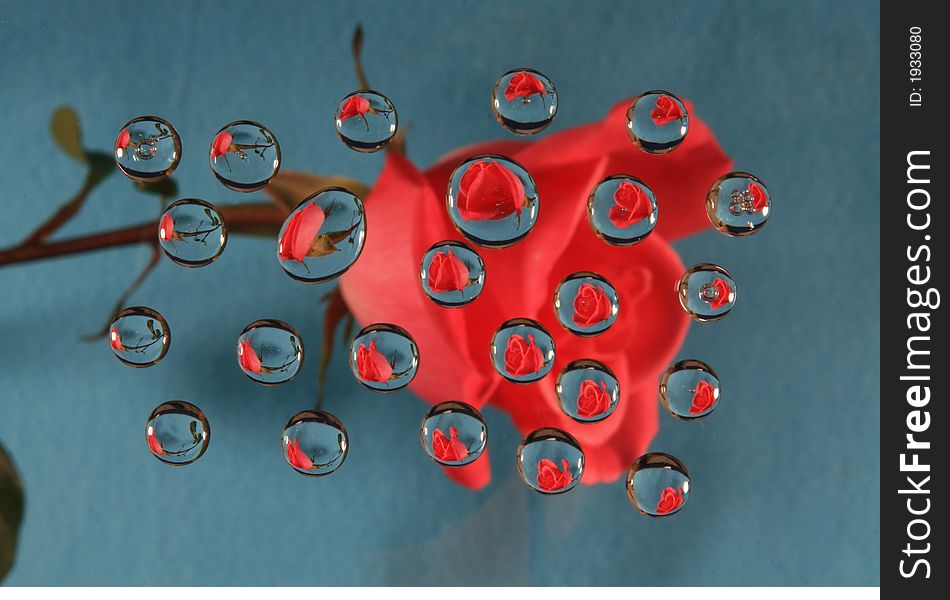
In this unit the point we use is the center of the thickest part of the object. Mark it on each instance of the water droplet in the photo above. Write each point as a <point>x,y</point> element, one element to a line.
<point>522,351</point>
<point>384,357</point>
<point>366,120</point>
<point>323,236</point>
<point>738,204</point>
<point>586,304</point>
<point>524,101</point>
<point>658,484</point>
<point>314,443</point>
<point>550,461</point>
<point>139,336</point>
<point>147,149</point>
<point>452,274</point>
<point>270,351</point>
<point>657,122</point>
<point>244,156</point>
<point>690,390</point>
<point>707,292</point>
<point>192,233</point>
<point>453,434</point>
<point>492,201</point>
<point>622,210</point>
<point>177,433</point>
<point>587,390</point>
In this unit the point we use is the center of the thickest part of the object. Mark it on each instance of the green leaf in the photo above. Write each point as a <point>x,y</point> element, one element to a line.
<point>64,127</point>
<point>11,511</point>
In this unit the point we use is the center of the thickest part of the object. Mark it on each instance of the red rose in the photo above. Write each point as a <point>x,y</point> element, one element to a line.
<point>670,500</point>
<point>523,85</point>
<point>123,140</point>
<point>489,192</point>
<point>114,340</point>
<point>550,478</point>
<point>248,358</point>
<point>447,273</point>
<point>372,365</point>
<point>448,449</point>
<point>153,444</point>
<point>300,232</point>
<point>723,291</point>
<point>703,398</point>
<point>759,199</point>
<point>630,205</point>
<point>666,111</point>
<point>221,145</point>
<point>592,400</point>
<point>591,305</point>
<point>296,456</point>
<point>522,357</point>
<point>167,228</point>
<point>355,106</point>
<point>407,211</point>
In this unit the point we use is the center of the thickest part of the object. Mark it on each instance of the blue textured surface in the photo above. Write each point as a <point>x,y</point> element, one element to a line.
<point>785,487</point>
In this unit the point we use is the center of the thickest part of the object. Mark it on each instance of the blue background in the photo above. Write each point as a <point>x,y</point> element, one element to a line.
<point>785,473</point>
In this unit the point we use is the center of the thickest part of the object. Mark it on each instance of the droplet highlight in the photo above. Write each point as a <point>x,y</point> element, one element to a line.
<point>738,204</point>
<point>492,201</point>
<point>453,434</point>
<point>314,443</point>
<point>270,352</point>
<point>657,122</point>
<point>323,236</point>
<point>452,274</point>
<point>550,461</point>
<point>524,101</point>
<point>587,390</point>
<point>622,210</point>
<point>586,304</point>
<point>690,390</point>
<point>384,357</point>
<point>139,336</point>
<point>147,149</point>
<point>177,433</point>
<point>366,121</point>
<point>244,156</point>
<point>707,292</point>
<point>522,351</point>
<point>658,485</point>
<point>192,233</point>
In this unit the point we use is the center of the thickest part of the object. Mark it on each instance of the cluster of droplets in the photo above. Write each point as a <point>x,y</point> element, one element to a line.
<point>493,202</point>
